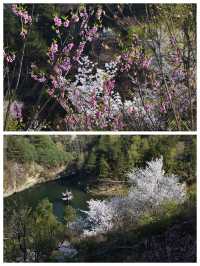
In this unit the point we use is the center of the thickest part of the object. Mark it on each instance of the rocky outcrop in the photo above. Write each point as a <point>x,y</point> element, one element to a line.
<point>18,177</point>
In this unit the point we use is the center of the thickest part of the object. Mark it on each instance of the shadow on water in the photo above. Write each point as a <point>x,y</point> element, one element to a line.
<point>53,192</point>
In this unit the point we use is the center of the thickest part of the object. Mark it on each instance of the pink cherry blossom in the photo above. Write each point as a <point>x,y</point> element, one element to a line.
<point>9,57</point>
<point>66,23</point>
<point>146,63</point>
<point>57,21</point>
<point>75,18</point>
<point>16,110</point>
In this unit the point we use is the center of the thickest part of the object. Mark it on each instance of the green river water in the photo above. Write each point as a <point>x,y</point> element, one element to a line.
<point>53,191</point>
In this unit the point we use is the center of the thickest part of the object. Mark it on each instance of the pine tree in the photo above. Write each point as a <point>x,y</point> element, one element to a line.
<point>104,168</point>
<point>69,215</point>
<point>91,163</point>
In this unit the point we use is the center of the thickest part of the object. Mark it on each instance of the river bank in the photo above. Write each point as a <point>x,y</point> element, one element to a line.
<point>19,177</point>
<point>109,189</point>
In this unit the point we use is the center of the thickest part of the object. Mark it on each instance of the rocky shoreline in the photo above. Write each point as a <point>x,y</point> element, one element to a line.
<point>18,177</point>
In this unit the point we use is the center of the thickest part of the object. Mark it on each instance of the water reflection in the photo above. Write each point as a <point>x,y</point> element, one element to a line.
<point>53,191</point>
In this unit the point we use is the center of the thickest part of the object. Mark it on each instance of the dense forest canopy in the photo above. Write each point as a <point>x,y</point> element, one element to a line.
<point>100,66</point>
<point>98,156</point>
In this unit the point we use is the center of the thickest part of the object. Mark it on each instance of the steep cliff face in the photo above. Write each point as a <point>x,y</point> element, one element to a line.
<point>18,177</point>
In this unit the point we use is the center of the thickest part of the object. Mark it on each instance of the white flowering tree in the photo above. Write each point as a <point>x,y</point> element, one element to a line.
<point>99,216</point>
<point>151,188</point>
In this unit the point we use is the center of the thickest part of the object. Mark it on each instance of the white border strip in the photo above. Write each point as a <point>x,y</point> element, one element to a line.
<point>98,133</point>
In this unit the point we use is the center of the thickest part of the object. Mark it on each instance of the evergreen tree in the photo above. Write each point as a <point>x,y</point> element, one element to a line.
<point>47,230</point>
<point>104,170</point>
<point>69,215</point>
<point>91,162</point>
